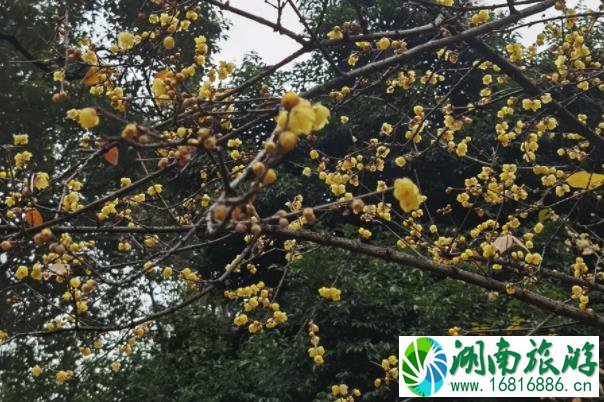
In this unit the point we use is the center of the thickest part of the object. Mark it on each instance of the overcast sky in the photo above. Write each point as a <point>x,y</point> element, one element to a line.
<point>246,36</point>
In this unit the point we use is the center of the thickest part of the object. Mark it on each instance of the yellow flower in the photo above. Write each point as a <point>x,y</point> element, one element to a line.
<point>82,307</point>
<point>330,293</point>
<point>158,87</point>
<point>20,139</point>
<point>546,97</point>
<point>301,118</point>
<point>254,327</point>
<point>75,283</point>
<point>169,42</point>
<point>365,234</point>
<point>41,180</point>
<point>74,185</point>
<point>407,193</point>
<point>280,316</point>
<point>538,227</point>
<point>387,128</point>
<point>88,118</point>
<point>462,149</point>
<point>240,320</point>
<point>151,241</point>
<point>116,366</point>
<point>63,376</point>
<point>125,40</point>
<point>36,272</point>
<point>36,371</point>
<point>22,272</point>
<point>533,259</point>
<point>534,105</point>
<point>167,272</point>
<point>383,43</point>
<point>321,116</point>
<point>22,158</point>
<point>154,189</point>
<point>335,34</point>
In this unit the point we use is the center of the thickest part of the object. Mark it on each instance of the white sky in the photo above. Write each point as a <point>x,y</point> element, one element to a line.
<point>246,36</point>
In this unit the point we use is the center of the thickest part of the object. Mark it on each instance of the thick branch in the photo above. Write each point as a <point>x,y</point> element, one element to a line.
<point>428,46</point>
<point>394,34</point>
<point>453,272</point>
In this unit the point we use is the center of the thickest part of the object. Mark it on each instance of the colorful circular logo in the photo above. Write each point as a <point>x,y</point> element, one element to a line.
<point>424,366</point>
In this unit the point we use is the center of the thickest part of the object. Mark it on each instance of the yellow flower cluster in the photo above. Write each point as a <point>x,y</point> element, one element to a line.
<point>408,195</point>
<point>335,34</point>
<point>531,104</point>
<point>108,210</point>
<point>201,49</point>
<point>22,158</point>
<point>63,376</point>
<point>154,190</point>
<point>481,17</point>
<point>116,366</point>
<point>126,40</point>
<point>365,233</point>
<point>257,297</point>
<point>579,267</point>
<point>189,276</point>
<point>300,117</point>
<point>341,391</point>
<point>315,352</point>
<point>20,139</point>
<point>36,371</point>
<point>22,272</point>
<point>332,294</point>
<point>515,52</point>
<point>240,320</point>
<point>87,117</point>
<point>41,180</point>
<point>533,258</point>
<point>577,293</point>
<point>389,366</point>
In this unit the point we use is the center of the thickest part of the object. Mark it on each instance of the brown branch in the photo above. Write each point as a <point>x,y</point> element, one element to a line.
<point>154,316</point>
<point>315,39</point>
<point>394,34</point>
<point>276,27</point>
<point>124,190</point>
<point>450,271</point>
<point>428,46</point>
<point>531,89</point>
